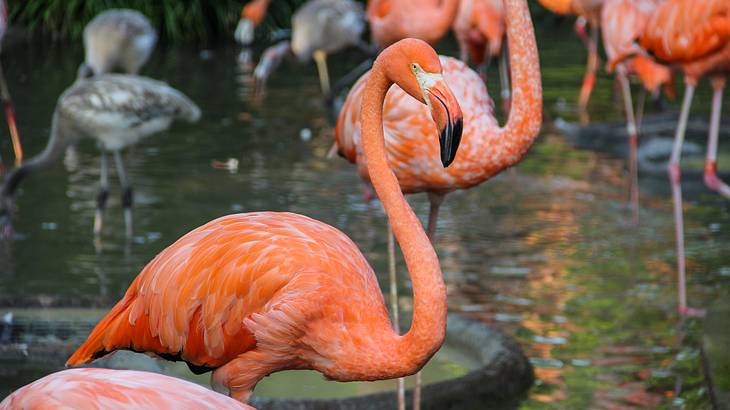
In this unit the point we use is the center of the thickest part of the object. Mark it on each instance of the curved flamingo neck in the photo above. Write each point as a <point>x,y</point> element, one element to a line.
<point>525,116</point>
<point>428,329</point>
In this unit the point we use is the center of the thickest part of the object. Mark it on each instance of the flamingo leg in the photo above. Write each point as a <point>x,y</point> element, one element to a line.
<point>101,198</point>
<point>589,80</point>
<point>640,107</point>
<point>435,199</point>
<point>675,176</point>
<point>505,91</point>
<point>127,195</point>
<point>632,131</point>
<point>393,282</point>
<point>238,377</point>
<point>320,57</point>
<point>10,115</point>
<point>711,178</point>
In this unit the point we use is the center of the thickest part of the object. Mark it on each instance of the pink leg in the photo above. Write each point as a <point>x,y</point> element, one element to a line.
<point>711,178</point>
<point>238,377</point>
<point>505,91</point>
<point>675,175</point>
<point>10,115</point>
<point>589,80</point>
<point>633,141</point>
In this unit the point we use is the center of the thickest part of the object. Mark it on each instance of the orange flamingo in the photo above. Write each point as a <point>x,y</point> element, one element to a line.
<point>5,93</point>
<point>479,29</point>
<point>588,12</point>
<point>697,39</point>
<point>252,15</point>
<point>393,20</point>
<point>622,23</point>
<point>250,294</point>
<point>486,149</point>
<point>83,389</point>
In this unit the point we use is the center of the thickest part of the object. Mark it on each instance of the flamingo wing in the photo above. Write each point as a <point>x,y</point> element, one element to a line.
<point>202,299</point>
<point>97,389</point>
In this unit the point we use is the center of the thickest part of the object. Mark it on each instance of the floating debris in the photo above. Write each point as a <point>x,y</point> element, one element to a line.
<point>305,134</point>
<point>49,226</point>
<point>230,165</point>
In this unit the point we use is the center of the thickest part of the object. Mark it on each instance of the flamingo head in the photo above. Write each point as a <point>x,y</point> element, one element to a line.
<point>251,16</point>
<point>415,67</point>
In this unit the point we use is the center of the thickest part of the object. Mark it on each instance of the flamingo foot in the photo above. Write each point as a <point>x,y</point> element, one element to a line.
<point>713,181</point>
<point>687,311</point>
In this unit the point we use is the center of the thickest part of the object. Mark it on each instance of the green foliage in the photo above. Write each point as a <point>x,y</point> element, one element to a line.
<point>176,20</point>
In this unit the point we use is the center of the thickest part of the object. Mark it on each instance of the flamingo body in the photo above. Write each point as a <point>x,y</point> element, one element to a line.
<point>479,28</point>
<point>393,20</point>
<point>105,389</point>
<point>118,39</point>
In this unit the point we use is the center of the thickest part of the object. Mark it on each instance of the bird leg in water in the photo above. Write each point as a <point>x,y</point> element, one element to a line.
<point>320,57</point>
<point>675,177</point>
<point>711,178</point>
<point>393,282</point>
<point>505,92</point>
<point>589,80</point>
<point>127,198</point>
<point>270,60</point>
<point>10,115</point>
<point>632,131</point>
<point>103,193</point>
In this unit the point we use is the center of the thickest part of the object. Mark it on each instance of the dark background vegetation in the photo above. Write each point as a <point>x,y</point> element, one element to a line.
<point>176,20</point>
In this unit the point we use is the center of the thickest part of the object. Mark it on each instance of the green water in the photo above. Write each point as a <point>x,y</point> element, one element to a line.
<point>545,253</point>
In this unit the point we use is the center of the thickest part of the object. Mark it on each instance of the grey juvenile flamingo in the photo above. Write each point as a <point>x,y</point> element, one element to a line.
<point>116,110</point>
<point>117,39</point>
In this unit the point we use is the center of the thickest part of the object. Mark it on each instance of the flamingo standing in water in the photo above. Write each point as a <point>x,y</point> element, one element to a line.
<point>319,28</point>
<point>486,149</point>
<point>117,39</point>
<point>5,93</point>
<point>252,15</point>
<point>107,389</point>
<point>393,20</point>
<point>697,39</point>
<point>479,29</point>
<point>250,294</point>
<point>117,111</point>
<point>589,13</point>
<point>622,23</point>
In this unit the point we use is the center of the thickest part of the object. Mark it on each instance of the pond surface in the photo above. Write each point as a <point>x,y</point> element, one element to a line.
<point>545,253</point>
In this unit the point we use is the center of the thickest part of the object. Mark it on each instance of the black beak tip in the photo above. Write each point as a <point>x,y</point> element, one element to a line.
<point>450,139</point>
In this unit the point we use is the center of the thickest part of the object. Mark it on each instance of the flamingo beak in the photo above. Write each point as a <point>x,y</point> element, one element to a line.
<point>446,112</point>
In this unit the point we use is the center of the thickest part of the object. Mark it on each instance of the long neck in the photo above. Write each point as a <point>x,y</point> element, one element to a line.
<point>55,147</point>
<point>525,116</point>
<point>429,293</point>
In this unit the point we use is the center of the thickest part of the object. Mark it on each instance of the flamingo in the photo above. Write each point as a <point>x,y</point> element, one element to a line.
<point>588,12</point>
<point>115,110</point>
<point>117,39</point>
<point>392,20</point>
<point>479,29</point>
<point>486,149</point>
<point>623,22</point>
<point>697,39</point>
<point>5,93</point>
<point>251,17</point>
<point>83,389</point>
<point>319,28</point>
<point>250,294</point>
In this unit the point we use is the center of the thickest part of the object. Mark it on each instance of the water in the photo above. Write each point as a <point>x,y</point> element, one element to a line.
<point>554,263</point>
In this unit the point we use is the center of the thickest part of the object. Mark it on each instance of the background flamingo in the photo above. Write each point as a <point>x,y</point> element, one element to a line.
<point>697,39</point>
<point>319,28</point>
<point>116,389</point>
<point>393,20</point>
<point>486,149</point>
<point>479,29</point>
<point>5,92</point>
<point>589,13</point>
<point>117,39</point>
<point>116,111</point>
<point>623,22</point>
<point>250,294</point>
<point>252,15</point>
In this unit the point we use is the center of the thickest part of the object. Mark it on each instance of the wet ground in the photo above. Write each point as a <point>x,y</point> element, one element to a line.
<point>545,253</point>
